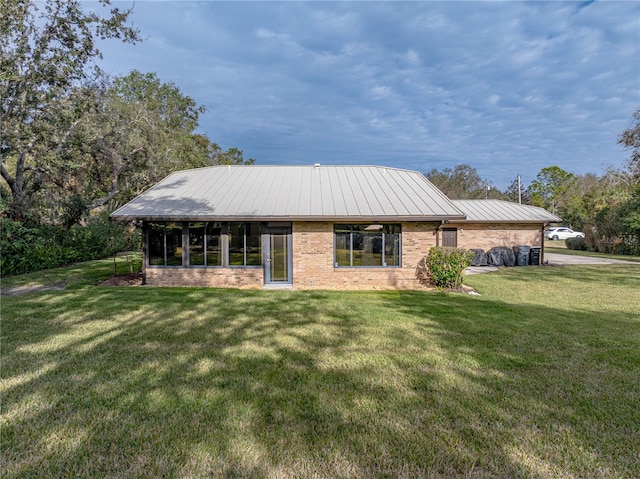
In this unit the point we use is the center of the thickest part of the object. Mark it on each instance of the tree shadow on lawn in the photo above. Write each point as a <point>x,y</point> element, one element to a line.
<point>147,382</point>
<point>555,389</point>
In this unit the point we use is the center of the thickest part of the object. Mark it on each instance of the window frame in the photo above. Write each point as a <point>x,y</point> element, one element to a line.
<point>244,244</point>
<point>164,225</point>
<point>205,246</point>
<point>383,235</point>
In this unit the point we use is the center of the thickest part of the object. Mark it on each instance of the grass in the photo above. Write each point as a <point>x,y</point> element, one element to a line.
<point>538,377</point>
<point>79,274</point>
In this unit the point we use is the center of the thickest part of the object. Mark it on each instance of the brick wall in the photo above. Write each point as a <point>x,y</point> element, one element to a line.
<point>212,277</point>
<point>486,236</point>
<point>313,261</point>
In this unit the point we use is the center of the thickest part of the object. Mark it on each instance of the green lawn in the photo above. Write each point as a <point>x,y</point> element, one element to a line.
<point>537,377</point>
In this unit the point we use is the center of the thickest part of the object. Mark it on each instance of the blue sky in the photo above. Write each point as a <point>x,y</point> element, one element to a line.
<point>506,87</point>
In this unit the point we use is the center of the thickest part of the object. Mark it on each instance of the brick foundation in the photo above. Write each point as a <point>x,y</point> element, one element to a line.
<point>245,278</point>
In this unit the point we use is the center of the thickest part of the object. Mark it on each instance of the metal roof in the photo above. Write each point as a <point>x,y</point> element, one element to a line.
<point>498,211</point>
<point>255,192</point>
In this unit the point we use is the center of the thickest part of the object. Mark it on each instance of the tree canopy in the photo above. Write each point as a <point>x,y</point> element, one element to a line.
<point>551,188</point>
<point>74,139</point>
<point>47,50</point>
<point>462,182</point>
<point>630,139</point>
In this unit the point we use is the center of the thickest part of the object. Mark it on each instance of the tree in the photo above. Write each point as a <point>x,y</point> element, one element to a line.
<point>630,209</point>
<point>512,193</point>
<point>630,139</point>
<point>47,49</point>
<point>134,130</point>
<point>233,156</point>
<point>462,182</point>
<point>551,188</point>
<point>585,189</point>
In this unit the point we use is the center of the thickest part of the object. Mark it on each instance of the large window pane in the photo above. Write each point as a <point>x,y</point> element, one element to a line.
<point>253,242</point>
<point>343,245</point>
<point>392,245</point>
<point>196,244</point>
<point>173,232</point>
<point>236,244</point>
<point>214,244</point>
<point>367,245</point>
<point>156,244</point>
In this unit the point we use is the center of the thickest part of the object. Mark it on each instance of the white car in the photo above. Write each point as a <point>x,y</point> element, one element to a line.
<point>562,233</point>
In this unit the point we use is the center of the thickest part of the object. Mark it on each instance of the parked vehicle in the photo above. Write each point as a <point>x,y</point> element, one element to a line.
<point>562,233</point>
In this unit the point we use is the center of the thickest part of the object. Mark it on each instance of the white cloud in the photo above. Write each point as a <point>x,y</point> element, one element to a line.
<point>409,84</point>
<point>493,99</point>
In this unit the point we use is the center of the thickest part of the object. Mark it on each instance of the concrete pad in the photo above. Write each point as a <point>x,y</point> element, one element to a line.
<point>479,269</point>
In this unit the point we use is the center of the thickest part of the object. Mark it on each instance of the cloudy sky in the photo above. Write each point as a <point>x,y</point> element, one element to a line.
<point>506,87</point>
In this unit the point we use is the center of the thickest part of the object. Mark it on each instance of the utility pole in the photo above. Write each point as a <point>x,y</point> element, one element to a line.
<point>519,191</point>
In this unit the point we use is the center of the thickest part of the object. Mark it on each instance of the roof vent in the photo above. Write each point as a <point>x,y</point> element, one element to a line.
<point>316,165</point>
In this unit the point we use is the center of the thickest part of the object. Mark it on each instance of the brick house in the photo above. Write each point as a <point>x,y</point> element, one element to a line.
<point>311,227</point>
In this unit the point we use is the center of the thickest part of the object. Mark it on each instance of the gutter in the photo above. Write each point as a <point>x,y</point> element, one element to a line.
<point>352,219</point>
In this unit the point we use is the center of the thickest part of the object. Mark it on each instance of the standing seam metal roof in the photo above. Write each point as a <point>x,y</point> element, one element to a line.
<point>292,192</point>
<point>498,211</point>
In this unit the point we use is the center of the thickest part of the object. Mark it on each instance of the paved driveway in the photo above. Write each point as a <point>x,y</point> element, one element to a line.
<point>558,259</point>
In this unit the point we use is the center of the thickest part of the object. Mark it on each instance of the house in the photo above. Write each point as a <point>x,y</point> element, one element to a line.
<point>311,227</point>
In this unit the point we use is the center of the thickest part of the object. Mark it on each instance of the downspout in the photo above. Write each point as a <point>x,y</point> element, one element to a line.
<point>544,227</point>
<point>442,222</point>
<point>145,250</point>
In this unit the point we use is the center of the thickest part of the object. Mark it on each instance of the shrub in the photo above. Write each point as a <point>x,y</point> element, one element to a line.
<point>445,266</point>
<point>26,249</point>
<point>578,244</point>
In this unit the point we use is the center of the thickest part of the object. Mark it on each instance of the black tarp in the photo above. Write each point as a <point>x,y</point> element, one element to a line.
<point>479,257</point>
<point>501,256</point>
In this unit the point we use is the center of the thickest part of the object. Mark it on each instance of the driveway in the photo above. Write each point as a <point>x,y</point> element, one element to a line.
<point>558,259</point>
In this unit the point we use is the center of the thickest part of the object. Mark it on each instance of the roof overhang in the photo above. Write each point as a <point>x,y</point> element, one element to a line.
<point>507,221</point>
<point>351,219</point>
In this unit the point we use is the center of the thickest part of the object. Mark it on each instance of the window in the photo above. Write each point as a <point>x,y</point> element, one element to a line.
<point>165,244</point>
<point>205,245</point>
<point>367,245</point>
<point>244,244</point>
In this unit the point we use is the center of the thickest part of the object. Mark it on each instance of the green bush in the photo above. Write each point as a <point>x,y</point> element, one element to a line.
<point>578,244</point>
<point>445,266</point>
<point>24,249</point>
<point>629,245</point>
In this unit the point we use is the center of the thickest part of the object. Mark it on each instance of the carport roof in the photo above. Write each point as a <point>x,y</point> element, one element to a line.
<point>279,193</point>
<point>498,211</point>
